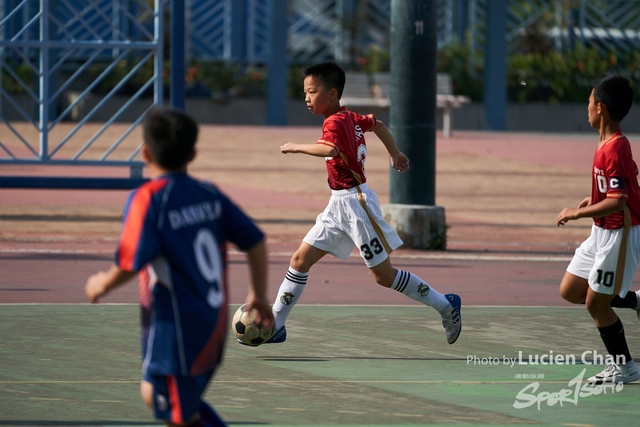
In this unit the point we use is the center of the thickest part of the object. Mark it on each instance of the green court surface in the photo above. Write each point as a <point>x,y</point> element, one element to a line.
<point>79,365</point>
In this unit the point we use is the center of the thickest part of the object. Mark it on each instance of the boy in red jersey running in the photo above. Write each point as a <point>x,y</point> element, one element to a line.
<point>602,269</point>
<point>175,231</point>
<point>353,217</point>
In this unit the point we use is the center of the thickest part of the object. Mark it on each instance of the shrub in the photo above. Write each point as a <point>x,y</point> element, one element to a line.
<point>552,77</point>
<point>465,68</point>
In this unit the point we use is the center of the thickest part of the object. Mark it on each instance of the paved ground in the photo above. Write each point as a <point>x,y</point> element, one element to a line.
<point>355,366</point>
<point>501,193</point>
<point>346,366</point>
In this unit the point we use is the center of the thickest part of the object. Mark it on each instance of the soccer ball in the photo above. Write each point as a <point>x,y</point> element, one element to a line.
<point>246,331</point>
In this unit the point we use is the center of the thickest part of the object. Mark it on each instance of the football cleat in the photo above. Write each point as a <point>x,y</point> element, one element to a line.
<point>452,321</point>
<point>614,373</point>
<point>278,337</point>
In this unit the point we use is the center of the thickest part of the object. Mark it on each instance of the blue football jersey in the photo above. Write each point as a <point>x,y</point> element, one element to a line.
<point>177,228</point>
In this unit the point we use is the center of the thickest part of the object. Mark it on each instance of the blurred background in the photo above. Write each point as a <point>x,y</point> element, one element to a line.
<point>553,51</point>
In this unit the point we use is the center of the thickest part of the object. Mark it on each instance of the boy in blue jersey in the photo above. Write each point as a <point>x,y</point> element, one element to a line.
<point>175,231</point>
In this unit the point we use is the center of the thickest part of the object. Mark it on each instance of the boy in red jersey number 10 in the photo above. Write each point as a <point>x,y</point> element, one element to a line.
<point>175,231</point>
<point>603,267</point>
<point>353,217</point>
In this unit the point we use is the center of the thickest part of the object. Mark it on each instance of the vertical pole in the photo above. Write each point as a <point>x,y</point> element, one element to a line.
<point>571,28</point>
<point>581,22</point>
<point>44,79</point>
<point>132,30</point>
<point>238,31</point>
<point>340,36</point>
<point>558,38</point>
<point>227,30</point>
<point>277,73</point>
<point>460,17</point>
<point>115,24</point>
<point>177,82</point>
<point>412,213</point>
<point>495,71</point>
<point>158,38</point>
<point>4,34</point>
<point>413,98</point>
<point>472,34</point>
<point>349,28</point>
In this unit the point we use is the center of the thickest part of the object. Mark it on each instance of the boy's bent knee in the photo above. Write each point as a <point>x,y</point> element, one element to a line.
<point>574,289</point>
<point>304,258</point>
<point>299,264</point>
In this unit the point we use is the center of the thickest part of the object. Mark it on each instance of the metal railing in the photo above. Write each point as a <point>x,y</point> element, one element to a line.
<point>343,30</point>
<point>55,55</point>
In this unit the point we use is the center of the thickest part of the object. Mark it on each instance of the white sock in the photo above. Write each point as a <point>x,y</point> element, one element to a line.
<point>290,290</point>
<point>417,289</point>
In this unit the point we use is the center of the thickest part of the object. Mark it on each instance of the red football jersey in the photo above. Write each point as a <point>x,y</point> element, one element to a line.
<point>615,176</point>
<point>344,131</point>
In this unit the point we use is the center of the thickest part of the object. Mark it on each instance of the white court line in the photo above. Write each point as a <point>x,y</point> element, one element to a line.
<point>57,251</point>
<point>444,256</point>
<point>426,256</point>
<point>473,257</point>
<point>451,256</point>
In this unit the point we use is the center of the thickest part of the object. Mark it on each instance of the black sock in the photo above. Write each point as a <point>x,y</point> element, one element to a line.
<point>630,300</point>
<point>615,342</point>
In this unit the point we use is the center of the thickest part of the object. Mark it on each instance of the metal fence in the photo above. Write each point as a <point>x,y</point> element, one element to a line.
<point>602,24</point>
<point>343,30</point>
<point>56,55</point>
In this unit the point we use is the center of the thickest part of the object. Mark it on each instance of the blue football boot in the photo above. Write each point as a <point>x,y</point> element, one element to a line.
<point>452,321</point>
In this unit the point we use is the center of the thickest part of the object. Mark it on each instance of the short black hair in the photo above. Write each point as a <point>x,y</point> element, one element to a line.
<point>170,135</point>
<point>615,92</point>
<point>331,74</point>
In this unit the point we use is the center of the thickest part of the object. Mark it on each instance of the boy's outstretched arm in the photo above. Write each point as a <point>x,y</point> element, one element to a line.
<point>399,161</point>
<point>103,282</point>
<point>257,296</point>
<point>318,150</point>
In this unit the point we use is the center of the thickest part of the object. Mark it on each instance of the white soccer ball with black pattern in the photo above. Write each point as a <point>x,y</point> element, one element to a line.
<point>247,331</point>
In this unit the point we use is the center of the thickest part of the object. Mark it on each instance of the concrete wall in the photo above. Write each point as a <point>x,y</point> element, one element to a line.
<point>539,117</point>
<point>520,117</point>
<point>238,111</point>
<point>536,117</point>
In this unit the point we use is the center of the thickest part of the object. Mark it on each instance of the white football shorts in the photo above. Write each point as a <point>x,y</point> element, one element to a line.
<point>353,219</point>
<point>596,259</point>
